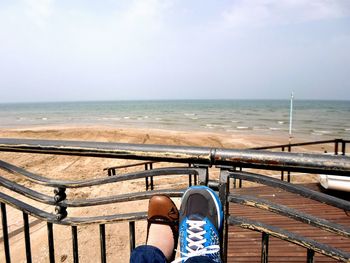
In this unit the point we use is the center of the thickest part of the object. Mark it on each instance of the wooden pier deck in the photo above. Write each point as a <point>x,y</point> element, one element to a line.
<point>245,245</point>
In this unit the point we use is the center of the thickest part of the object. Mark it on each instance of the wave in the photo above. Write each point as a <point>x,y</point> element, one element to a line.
<point>322,131</point>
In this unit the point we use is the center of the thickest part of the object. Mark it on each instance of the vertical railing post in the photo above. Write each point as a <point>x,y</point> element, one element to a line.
<point>75,244</point>
<point>50,242</point>
<point>240,180</point>
<point>343,147</point>
<point>146,178</point>
<point>336,147</point>
<point>5,233</point>
<point>189,177</point>
<point>310,256</point>
<point>151,168</point>
<point>223,193</point>
<point>132,235</point>
<point>27,237</point>
<point>264,248</point>
<point>103,243</point>
<point>282,172</point>
<point>288,173</point>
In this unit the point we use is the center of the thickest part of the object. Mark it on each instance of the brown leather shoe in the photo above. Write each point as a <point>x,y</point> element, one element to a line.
<point>162,210</point>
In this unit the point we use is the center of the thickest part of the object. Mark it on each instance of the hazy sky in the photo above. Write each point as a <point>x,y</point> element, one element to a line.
<point>57,50</point>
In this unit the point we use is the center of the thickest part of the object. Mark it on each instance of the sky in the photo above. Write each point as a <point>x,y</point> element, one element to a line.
<point>72,50</point>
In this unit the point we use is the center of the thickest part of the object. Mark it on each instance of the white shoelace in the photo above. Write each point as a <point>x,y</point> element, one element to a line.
<point>196,240</point>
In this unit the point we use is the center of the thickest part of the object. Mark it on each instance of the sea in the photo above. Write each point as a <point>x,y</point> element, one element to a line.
<point>310,118</point>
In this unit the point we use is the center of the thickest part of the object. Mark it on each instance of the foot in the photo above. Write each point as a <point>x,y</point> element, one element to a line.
<point>163,228</point>
<point>201,217</point>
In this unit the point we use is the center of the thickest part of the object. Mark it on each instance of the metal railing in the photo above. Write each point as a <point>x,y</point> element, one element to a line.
<point>288,147</point>
<point>200,158</point>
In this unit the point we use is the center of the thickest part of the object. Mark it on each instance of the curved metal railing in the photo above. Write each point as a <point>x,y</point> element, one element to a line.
<point>311,245</point>
<point>199,157</point>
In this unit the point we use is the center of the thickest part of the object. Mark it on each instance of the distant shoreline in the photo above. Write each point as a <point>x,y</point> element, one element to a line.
<point>312,120</point>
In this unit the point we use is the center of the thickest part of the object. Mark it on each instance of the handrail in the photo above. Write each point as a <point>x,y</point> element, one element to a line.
<point>52,218</point>
<point>295,144</point>
<point>127,165</point>
<point>99,181</point>
<point>297,189</point>
<point>45,199</point>
<point>338,165</point>
<point>200,157</point>
<point>291,213</point>
<point>290,145</point>
<point>290,237</point>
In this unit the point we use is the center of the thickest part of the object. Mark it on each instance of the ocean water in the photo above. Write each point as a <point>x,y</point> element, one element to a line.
<point>316,119</point>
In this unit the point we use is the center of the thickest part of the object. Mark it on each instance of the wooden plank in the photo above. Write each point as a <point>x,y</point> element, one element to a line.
<point>245,245</point>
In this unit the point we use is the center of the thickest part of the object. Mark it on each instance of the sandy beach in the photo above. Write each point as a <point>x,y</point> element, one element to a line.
<point>74,167</point>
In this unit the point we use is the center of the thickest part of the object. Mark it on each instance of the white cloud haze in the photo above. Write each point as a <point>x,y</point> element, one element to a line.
<point>153,49</point>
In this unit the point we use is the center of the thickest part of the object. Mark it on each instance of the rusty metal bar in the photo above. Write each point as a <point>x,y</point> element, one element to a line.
<point>5,233</point>
<point>253,201</point>
<point>264,248</point>
<point>132,235</point>
<point>297,189</point>
<point>51,242</point>
<point>127,165</point>
<point>103,243</point>
<point>27,237</point>
<point>310,256</point>
<point>151,168</point>
<point>181,154</point>
<point>292,144</point>
<point>290,237</point>
<point>75,244</point>
<point>336,147</point>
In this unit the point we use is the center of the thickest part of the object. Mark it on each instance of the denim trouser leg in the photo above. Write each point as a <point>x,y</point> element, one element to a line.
<point>199,259</point>
<point>147,254</point>
<point>151,254</point>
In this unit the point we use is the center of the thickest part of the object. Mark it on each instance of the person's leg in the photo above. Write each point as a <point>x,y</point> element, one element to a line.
<point>200,259</point>
<point>201,218</point>
<point>162,232</point>
<point>147,254</point>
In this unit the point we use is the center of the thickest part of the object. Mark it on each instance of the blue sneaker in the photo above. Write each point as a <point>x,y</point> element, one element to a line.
<point>201,218</point>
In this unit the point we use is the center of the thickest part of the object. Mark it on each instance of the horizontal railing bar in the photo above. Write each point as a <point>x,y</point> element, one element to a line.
<point>120,198</point>
<point>27,192</point>
<point>184,154</point>
<point>291,213</point>
<point>295,144</point>
<point>290,237</point>
<point>297,189</point>
<point>99,181</point>
<point>74,221</point>
<point>48,217</point>
<point>127,165</point>
<point>85,202</point>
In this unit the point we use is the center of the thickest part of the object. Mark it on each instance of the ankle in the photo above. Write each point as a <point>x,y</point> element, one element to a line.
<point>161,236</point>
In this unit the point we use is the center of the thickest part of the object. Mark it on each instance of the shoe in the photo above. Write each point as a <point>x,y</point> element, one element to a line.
<point>201,219</point>
<point>162,210</point>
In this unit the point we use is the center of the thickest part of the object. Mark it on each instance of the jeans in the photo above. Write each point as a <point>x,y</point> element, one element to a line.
<point>150,254</point>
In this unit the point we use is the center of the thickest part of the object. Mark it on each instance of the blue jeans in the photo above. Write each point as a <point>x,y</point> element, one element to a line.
<point>150,254</point>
